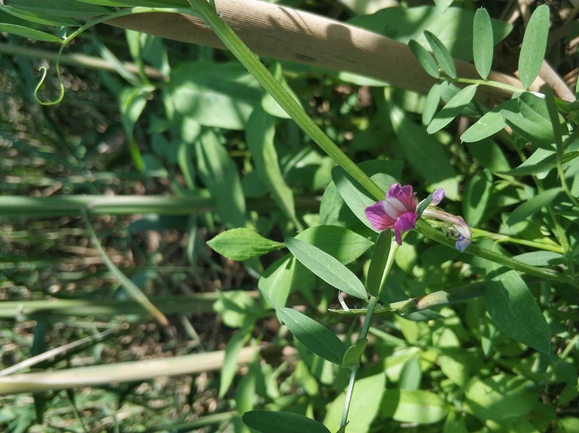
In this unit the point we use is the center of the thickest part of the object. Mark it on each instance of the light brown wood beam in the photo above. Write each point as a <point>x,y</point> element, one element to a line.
<point>284,33</point>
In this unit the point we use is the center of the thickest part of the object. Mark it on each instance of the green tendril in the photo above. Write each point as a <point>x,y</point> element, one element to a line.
<point>41,82</point>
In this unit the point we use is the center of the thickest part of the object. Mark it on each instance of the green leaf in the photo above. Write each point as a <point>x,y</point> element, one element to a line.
<point>235,306</point>
<point>315,336</point>
<point>132,102</point>
<point>232,349</point>
<point>431,103</point>
<point>531,121</point>
<point>424,58</point>
<point>532,206</point>
<point>541,258</point>
<point>489,155</point>
<point>441,54</point>
<point>326,267</point>
<point>376,277</point>
<point>421,407</point>
<point>63,8</point>
<point>281,422</point>
<point>554,115</point>
<point>354,353</point>
<point>500,397</point>
<point>410,375</point>
<point>534,45</point>
<point>221,95</point>
<point>482,42</point>
<point>364,406</point>
<point>260,134</point>
<point>343,244</point>
<point>453,27</point>
<point>476,197</point>
<point>514,310</point>
<point>220,175</point>
<point>29,33</point>
<point>491,123</point>
<point>276,283</point>
<point>452,109</point>
<point>242,244</point>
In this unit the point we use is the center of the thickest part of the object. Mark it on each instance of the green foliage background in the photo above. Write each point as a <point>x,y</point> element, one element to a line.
<point>111,198</point>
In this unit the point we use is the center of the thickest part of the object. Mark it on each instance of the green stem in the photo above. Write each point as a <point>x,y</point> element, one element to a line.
<point>425,229</point>
<point>363,334</point>
<point>435,299</point>
<point>494,84</point>
<point>281,96</point>
<point>504,238</point>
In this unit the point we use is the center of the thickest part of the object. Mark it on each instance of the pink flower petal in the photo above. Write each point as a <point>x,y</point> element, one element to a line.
<point>405,222</point>
<point>379,219</point>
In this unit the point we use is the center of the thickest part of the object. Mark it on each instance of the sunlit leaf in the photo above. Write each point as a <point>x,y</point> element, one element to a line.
<point>242,244</point>
<point>534,45</point>
<point>452,109</point>
<point>282,422</point>
<point>313,335</point>
<point>326,267</point>
<point>482,42</point>
<point>441,54</point>
<point>424,58</point>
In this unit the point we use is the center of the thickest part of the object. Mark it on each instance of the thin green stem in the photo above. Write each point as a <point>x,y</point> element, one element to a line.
<point>363,334</point>
<point>494,84</point>
<point>430,232</point>
<point>393,250</point>
<point>435,299</point>
<point>349,393</point>
<point>504,238</point>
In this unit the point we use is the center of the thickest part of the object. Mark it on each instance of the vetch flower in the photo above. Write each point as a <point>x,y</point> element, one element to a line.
<point>400,210</point>
<point>453,226</point>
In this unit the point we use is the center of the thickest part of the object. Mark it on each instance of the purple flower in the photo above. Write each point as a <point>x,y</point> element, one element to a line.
<point>399,211</point>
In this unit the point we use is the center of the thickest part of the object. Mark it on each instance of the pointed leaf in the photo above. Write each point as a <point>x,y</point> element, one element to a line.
<point>441,54</point>
<point>29,33</point>
<point>424,58</point>
<point>260,140</point>
<point>275,284</point>
<point>532,206</point>
<point>326,267</point>
<point>452,109</point>
<point>315,336</point>
<point>220,175</point>
<point>534,46</point>
<point>343,244</point>
<point>232,350</point>
<point>482,42</point>
<point>281,422</point>
<point>354,353</point>
<point>431,103</point>
<point>242,244</point>
<point>364,407</point>
<point>422,407</point>
<point>491,123</point>
<point>513,309</point>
